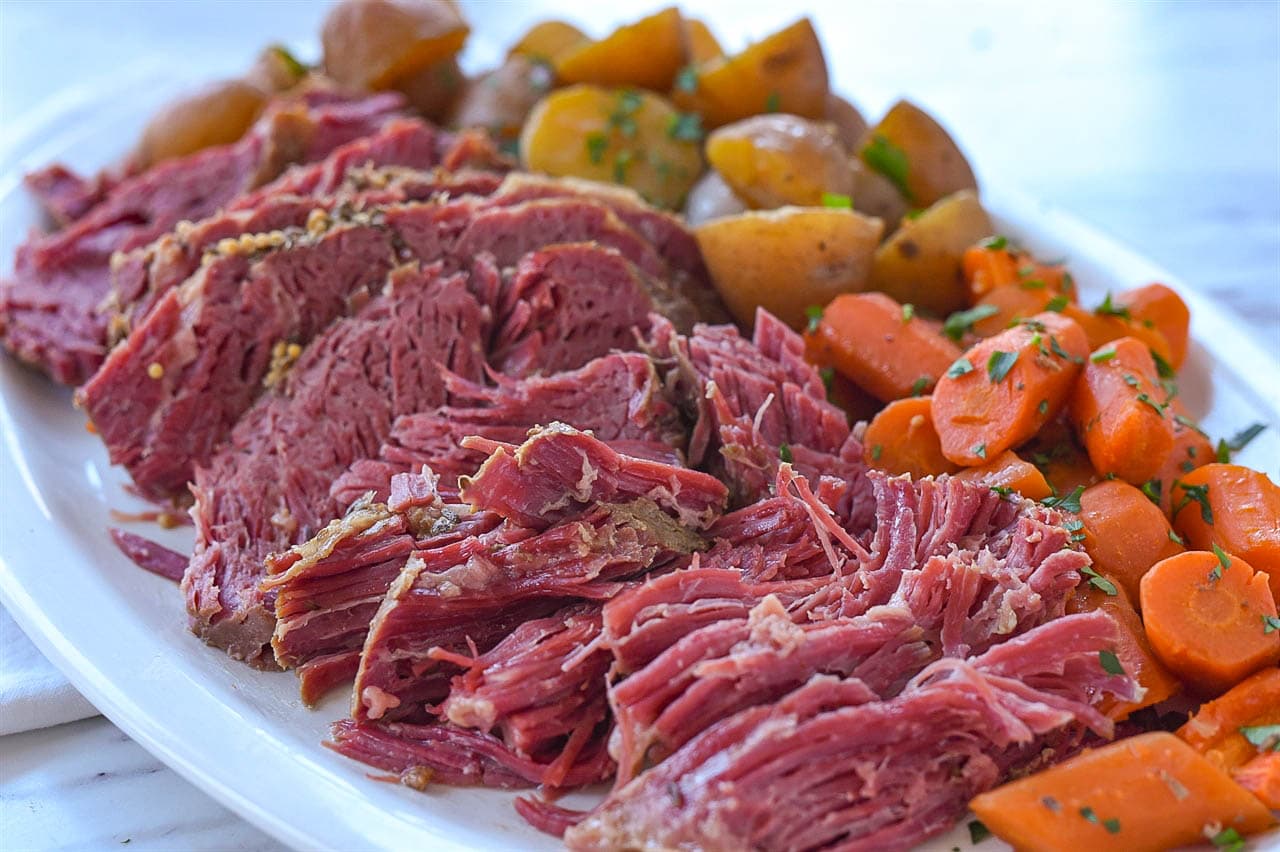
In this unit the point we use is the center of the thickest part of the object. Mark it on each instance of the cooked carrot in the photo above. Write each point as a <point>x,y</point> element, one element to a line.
<point>1214,729</point>
<point>1102,329</point>
<point>1209,617</point>
<point>1261,777</point>
<point>994,263</point>
<point>901,439</point>
<point>1120,412</point>
<point>1098,591</point>
<point>881,345</point>
<point>1149,792</point>
<point>1236,508</point>
<point>1009,471</point>
<point>1156,306</point>
<point>1006,387</point>
<point>1012,303</point>
<point>1191,449</point>
<point>1058,455</point>
<point>1124,532</point>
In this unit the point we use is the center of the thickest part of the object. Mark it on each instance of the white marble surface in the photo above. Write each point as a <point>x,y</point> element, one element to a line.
<point>1158,121</point>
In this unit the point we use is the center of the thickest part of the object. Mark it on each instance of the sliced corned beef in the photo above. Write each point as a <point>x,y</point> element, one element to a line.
<point>50,309</point>
<point>831,766</point>
<point>65,195</point>
<point>617,398</point>
<point>268,488</point>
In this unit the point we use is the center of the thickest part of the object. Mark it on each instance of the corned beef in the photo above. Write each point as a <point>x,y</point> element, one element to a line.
<point>49,309</point>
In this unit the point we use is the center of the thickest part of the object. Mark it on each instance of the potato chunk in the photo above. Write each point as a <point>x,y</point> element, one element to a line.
<point>647,54</point>
<point>501,100</point>
<point>788,259</point>
<point>772,160</point>
<point>372,44</point>
<point>216,115</point>
<point>629,137</point>
<point>917,155</point>
<point>920,263</point>
<point>784,73</point>
<point>546,40</point>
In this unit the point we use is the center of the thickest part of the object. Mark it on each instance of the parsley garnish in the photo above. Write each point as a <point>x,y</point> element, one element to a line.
<point>1057,304</point>
<point>996,243</point>
<point>959,368</point>
<point>1111,825</point>
<point>1265,737</point>
<point>1002,490</point>
<point>920,385</point>
<point>292,64</point>
<point>1148,401</point>
<point>596,144</point>
<point>1175,538</point>
<point>1270,624</point>
<point>1222,452</point>
<point>1224,562</point>
<point>908,312</point>
<point>1110,662</point>
<point>1103,355</point>
<point>978,832</point>
<point>1183,420</point>
<point>828,375</point>
<point>1069,503</point>
<point>1242,438</point>
<point>1087,812</point>
<point>1153,489</point>
<point>1098,581</point>
<point>1163,367</point>
<point>814,314</point>
<point>685,126</point>
<point>979,450</point>
<point>784,453</point>
<point>1199,493</point>
<point>1043,407</point>
<point>1109,309</point>
<point>889,160</point>
<point>1062,353</point>
<point>962,321</point>
<point>1228,839</point>
<point>999,365</point>
<point>836,200</point>
<point>773,103</point>
<point>687,79</point>
<point>876,450</point>
<point>1076,528</point>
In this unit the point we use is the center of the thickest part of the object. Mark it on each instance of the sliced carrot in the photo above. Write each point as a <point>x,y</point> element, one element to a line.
<point>1006,387</point>
<point>1124,532</point>
<point>1102,329</point>
<point>1149,792</point>
<point>1012,303</point>
<point>1100,591</point>
<point>1191,449</point>
<point>901,439</point>
<point>881,345</point>
<point>1009,471</point>
<point>1156,306</point>
<point>1214,729</point>
<point>994,263</point>
<point>1206,616</point>
<point>1120,412</point>
<point>1236,508</point>
<point>1261,777</point>
<point>1058,455</point>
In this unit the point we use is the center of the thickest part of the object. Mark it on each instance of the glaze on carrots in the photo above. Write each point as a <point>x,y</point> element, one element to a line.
<point>1236,508</point>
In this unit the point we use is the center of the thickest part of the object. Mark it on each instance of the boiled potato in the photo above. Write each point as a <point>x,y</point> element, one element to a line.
<point>276,70</point>
<point>216,115</point>
<point>917,154</point>
<point>700,43</point>
<point>647,54</point>
<point>633,138</point>
<point>772,160</point>
<point>547,40</point>
<point>434,90</point>
<point>711,198</point>
<point>788,259</point>
<point>784,73</point>
<point>372,44</point>
<point>501,100</point>
<point>920,264</point>
<point>875,195</point>
<point>849,123</point>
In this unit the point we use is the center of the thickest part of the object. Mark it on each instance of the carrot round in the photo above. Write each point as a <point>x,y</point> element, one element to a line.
<point>1098,591</point>
<point>1102,329</point>
<point>994,263</point>
<point>1008,470</point>
<point>1149,792</point>
<point>1235,507</point>
<point>1156,306</point>
<point>1191,449</point>
<point>881,345</point>
<point>1012,303</point>
<point>1206,616</point>
<point>1120,412</point>
<point>1124,532</point>
<point>1214,729</point>
<point>1261,777</point>
<point>1006,387</point>
<point>901,439</point>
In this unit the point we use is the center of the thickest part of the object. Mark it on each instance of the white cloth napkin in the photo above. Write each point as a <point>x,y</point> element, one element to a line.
<point>33,694</point>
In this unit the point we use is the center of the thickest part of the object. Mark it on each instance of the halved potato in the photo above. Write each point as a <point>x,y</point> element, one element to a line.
<point>711,198</point>
<point>920,264</point>
<point>216,115</point>
<point>917,155</point>
<point>647,54</point>
<point>546,40</point>
<point>788,259</point>
<point>784,73</point>
<point>874,195</point>
<point>501,100</point>
<point>772,160</point>
<point>849,123</point>
<point>372,44</point>
<point>700,43</point>
<point>620,135</point>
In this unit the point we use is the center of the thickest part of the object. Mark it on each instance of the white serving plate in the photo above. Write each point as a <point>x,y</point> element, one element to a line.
<point>120,634</point>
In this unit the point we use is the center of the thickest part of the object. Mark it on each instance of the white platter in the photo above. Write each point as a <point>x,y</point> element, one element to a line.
<point>120,634</point>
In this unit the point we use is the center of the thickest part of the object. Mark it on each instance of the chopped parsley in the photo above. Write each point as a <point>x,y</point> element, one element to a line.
<point>876,450</point>
<point>1153,488</point>
<point>1163,367</point>
<point>620,165</point>
<point>1241,439</point>
<point>1043,407</point>
<point>1057,304</point>
<point>1087,813</point>
<point>1148,401</point>
<point>1111,825</point>
<point>1110,662</point>
<point>1062,353</point>
<point>1108,308</point>
<point>889,160</point>
<point>1222,453</point>
<point>1099,582</point>
<point>961,322</point>
<point>1265,737</point>
<point>920,385</point>
<point>296,68</point>
<point>773,103</point>
<point>1224,562</point>
<point>1002,490</point>
<point>908,312</point>
<point>1183,420</point>
<point>1175,538</point>
<point>1103,355</point>
<point>961,366</point>
<point>814,315</point>
<point>596,145</point>
<point>1198,493</point>
<point>828,375</point>
<point>996,243</point>
<point>784,453</point>
<point>1076,528</point>
<point>1032,284</point>
<point>687,79</point>
<point>979,450</point>
<point>836,200</point>
<point>685,126</point>
<point>1069,503</point>
<point>1228,839</point>
<point>978,832</point>
<point>1270,624</point>
<point>999,365</point>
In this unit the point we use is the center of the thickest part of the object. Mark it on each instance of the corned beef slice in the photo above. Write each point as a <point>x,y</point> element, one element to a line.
<point>49,310</point>
<point>616,397</point>
<point>65,195</point>
<point>268,488</point>
<point>213,338</point>
<point>831,766</point>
